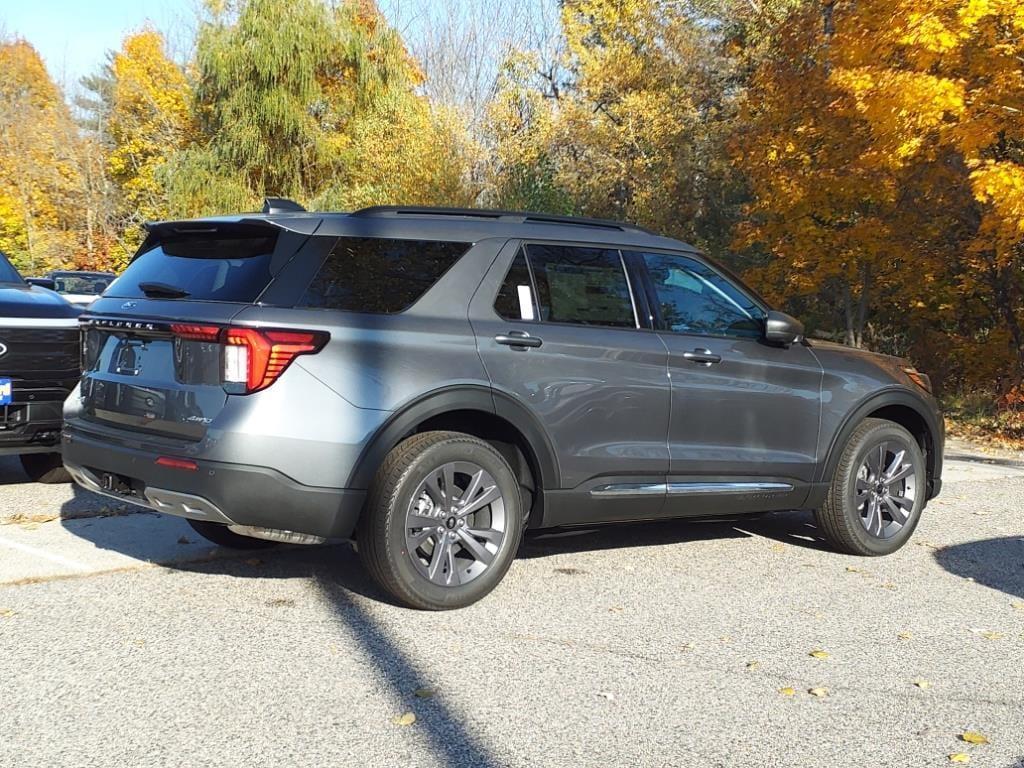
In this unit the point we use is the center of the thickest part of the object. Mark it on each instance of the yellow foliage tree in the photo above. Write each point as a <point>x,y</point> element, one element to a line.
<point>149,120</point>
<point>42,223</point>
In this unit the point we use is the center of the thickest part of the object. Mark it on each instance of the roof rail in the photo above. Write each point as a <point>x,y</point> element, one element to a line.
<point>518,217</point>
<point>281,205</point>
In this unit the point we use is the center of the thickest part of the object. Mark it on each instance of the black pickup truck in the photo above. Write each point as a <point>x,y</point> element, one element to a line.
<point>39,366</point>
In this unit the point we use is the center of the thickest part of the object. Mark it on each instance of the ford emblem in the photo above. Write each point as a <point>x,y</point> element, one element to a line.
<point>129,305</point>
<point>3,349</point>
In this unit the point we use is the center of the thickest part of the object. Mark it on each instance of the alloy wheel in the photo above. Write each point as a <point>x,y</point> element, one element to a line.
<point>886,489</point>
<point>456,524</point>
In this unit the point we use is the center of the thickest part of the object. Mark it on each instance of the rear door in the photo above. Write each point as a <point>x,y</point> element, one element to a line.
<point>745,413</point>
<point>558,332</point>
<point>151,362</point>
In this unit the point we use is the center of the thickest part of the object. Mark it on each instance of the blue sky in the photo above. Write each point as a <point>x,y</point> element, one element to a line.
<point>73,35</point>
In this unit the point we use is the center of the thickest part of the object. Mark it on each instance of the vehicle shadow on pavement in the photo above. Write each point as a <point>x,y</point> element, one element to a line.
<point>11,472</point>
<point>794,528</point>
<point>996,563</point>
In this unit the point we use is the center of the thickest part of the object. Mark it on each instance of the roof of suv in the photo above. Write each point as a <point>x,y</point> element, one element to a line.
<point>457,224</point>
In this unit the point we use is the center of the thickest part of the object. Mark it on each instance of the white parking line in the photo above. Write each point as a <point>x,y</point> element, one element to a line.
<point>53,558</point>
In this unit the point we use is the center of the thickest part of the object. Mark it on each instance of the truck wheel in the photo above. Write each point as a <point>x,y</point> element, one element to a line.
<point>878,491</point>
<point>44,468</point>
<point>221,535</point>
<point>443,521</point>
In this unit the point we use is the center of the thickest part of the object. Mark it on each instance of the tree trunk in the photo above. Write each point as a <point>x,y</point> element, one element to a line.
<point>863,303</point>
<point>850,337</point>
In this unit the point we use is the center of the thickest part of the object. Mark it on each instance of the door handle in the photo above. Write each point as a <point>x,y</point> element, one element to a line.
<point>702,357</point>
<point>518,339</point>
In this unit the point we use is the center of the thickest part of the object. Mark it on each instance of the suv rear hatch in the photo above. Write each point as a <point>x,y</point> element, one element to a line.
<point>159,354</point>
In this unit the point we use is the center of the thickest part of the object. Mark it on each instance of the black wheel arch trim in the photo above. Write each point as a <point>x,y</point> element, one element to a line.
<point>459,397</point>
<point>875,402</point>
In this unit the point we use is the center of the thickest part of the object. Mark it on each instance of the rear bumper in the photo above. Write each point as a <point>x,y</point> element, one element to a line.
<point>232,494</point>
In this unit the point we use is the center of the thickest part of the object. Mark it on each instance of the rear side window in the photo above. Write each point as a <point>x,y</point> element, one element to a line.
<point>380,276</point>
<point>515,299</point>
<point>214,267</point>
<point>8,274</point>
<point>583,286</point>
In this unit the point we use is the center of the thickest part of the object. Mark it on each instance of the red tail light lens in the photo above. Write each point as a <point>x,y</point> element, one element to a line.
<point>192,332</point>
<point>172,463</point>
<point>256,357</point>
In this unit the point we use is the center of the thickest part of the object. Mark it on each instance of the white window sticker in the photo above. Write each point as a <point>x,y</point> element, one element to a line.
<point>525,302</point>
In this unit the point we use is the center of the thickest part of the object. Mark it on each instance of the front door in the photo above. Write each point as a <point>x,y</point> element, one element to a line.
<point>744,425</point>
<point>557,329</point>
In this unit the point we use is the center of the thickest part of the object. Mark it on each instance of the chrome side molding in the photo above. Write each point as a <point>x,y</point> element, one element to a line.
<point>686,489</point>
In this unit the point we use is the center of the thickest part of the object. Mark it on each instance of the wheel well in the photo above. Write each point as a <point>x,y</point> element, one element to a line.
<point>915,424</point>
<point>507,440</point>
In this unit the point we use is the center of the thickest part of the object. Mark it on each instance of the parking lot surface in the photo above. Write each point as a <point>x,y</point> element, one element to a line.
<point>125,640</point>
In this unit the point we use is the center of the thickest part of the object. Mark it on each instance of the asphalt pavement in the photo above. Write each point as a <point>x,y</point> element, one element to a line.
<point>126,640</point>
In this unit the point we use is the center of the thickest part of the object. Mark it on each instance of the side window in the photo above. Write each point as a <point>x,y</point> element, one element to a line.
<point>515,299</point>
<point>364,274</point>
<point>693,298</point>
<point>585,286</point>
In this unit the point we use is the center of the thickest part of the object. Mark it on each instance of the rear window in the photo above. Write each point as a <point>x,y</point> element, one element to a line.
<point>376,275</point>
<point>208,267</point>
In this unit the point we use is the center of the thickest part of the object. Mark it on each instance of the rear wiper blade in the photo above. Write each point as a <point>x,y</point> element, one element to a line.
<point>162,290</point>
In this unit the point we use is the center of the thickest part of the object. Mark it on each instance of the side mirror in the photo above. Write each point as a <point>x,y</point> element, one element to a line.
<point>42,282</point>
<point>780,328</point>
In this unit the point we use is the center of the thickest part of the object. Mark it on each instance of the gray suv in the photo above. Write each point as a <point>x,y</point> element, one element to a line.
<point>432,382</point>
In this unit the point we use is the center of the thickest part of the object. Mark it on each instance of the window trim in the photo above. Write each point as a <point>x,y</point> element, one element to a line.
<point>524,243</point>
<point>659,320</point>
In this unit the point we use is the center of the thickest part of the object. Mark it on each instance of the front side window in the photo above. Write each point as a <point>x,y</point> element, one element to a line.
<point>365,274</point>
<point>583,286</point>
<point>693,298</point>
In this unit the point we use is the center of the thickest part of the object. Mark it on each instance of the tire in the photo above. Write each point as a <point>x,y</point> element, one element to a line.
<point>401,556</point>
<point>44,468</point>
<point>220,534</point>
<point>847,519</point>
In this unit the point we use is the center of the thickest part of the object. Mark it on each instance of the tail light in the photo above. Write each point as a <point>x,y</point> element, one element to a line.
<point>253,358</point>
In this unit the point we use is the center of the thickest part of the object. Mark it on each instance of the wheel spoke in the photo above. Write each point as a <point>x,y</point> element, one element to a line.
<point>905,471</point>
<point>904,502</point>
<point>898,515</point>
<point>417,540</point>
<point>438,559</point>
<point>433,488</point>
<point>473,488</point>
<point>488,534</point>
<point>894,466</point>
<point>475,548</point>
<point>873,512</point>
<point>453,573</point>
<point>876,460</point>
<point>490,494</point>
<point>416,520</point>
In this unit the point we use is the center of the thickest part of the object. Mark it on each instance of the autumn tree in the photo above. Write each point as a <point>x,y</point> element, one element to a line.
<point>41,213</point>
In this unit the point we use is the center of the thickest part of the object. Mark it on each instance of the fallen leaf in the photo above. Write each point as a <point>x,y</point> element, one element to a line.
<point>973,737</point>
<point>6,613</point>
<point>686,647</point>
<point>851,569</point>
<point>959,757</point>
<point>608,696</point>
<point>184,540</point>
<point>778,547</point>
<point>753,665</point>
<point>615,609</point>
<point>787,691</point>
<point>819,692</point>
<point>923,684</point>
<point>904,635</point>
<point>254,561</point>
<point>1018,606</point>
<point>819,654</point>
<point>407,719</point>
<point>423,693</point>
<point>570,571</point>
<point>889,585</point>
<point>139,642</point>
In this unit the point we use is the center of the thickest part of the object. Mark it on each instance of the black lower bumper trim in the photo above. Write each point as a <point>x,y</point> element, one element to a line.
<point>254,496</point>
